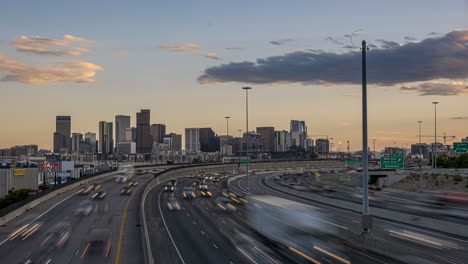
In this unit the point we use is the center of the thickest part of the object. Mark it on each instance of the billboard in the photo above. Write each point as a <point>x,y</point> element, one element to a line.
<point>18,172</point>
<point>49,166</point>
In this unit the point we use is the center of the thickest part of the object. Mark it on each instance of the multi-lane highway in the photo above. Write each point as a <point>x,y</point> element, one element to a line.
<point>77,228</point>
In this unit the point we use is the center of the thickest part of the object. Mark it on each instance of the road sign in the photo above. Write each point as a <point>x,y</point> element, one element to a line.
<point>245,160</point>
<point>397,155</point>
<point>18,172</point>
<point>392,163</point>
<point>345,178</point>
<point>460,147</point>
<point>354,162</point>
<point>49,166</point>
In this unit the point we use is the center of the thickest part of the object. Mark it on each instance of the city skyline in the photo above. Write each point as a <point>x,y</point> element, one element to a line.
<point>143,65</point>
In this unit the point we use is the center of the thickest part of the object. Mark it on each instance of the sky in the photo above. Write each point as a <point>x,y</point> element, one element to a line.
<point>187,61</point>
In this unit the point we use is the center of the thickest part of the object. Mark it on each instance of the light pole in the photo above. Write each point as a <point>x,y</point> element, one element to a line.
<point>366,218</point>
<point>227,125</point>
<point>419,132</point>
<point>434,148</point>
<point>240,147</point>
<point>373,144</point>
<point>247,129</point>
<point>420,159</point>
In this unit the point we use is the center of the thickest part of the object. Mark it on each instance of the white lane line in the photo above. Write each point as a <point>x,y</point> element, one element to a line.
<point>203,232</point>
<point>167,229</point>
<point>193,222</point>
<point>215,246</point>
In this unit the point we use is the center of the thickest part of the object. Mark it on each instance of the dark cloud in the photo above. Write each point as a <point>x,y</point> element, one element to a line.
<point>444,57</point>
<point>233,48</point>
<point>459,118</point>
<point>280,41</point>
<point>334,40</point>
<point>347,35</point>
<point>372,46</point>
<point>387,44</point>
<point>437,88</point>
<point>349,47</point>
<point>432,33</point>
<point>408,38</point>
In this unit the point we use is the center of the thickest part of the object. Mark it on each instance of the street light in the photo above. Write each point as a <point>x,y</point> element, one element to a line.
<point>419,132</point>
<point>247,129</point>
<point>434,147</point>
<point>366,218</point>
<point>420,160</point>
<point>227,125</point>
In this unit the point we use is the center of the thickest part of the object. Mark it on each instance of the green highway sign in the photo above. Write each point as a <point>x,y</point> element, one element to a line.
<point>460,147</point>
<point>345,178</point>
<point>397,155</point>
<point>392,163</point>
<point>245,160</point>
<point>354,162</point>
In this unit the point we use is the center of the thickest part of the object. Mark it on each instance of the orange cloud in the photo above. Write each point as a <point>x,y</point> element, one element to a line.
<point>119,53</point>
<point>190,47</point>
<point>48,46</point>
<point>212,56</point>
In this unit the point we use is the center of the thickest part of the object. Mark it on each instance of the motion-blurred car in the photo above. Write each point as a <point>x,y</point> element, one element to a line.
<point>133,183</point>
<point>203,186</point>
<point>99,194</point>
<point>205,193</point>
<point>86,190</point>
<point>169,188</point>
<point>99,244</point>
<point>84,208</point>
<point>26,231</point>
<point>97,187</point>
<point>173,204</point>
<point>126,190</point>
<point>173,182</point>
<point>225,204</point>
<point>57,236</point>
<point>188,193</point>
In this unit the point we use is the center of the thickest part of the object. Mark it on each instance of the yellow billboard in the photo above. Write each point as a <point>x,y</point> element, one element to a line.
<point>18,172</point>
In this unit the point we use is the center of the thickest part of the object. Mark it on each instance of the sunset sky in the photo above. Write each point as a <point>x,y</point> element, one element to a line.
<point>186,61</point>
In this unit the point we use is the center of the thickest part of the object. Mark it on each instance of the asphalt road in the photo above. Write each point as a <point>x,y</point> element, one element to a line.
<point>426,247</point>
<point>107,214</point>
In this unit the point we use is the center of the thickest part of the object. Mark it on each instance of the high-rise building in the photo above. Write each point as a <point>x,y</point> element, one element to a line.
<point>254,141</point>
<point>91,138</point>
<point>192,139</point>
<point>176,141</point>
<point>224,140</point>
<point>130,134</point>
<point>76,139</point>
<point>106,141</point>
<point>62,139</point>
<point>144,141</point>
<point>122,122</point>
<point>158,132</point>
<point>420,149</point>
<point>282,141</point>
<point>268,137</point>
<point>322,146</point>
<point>298,131</point>
<point>464,140</point>
<point>209,141</point>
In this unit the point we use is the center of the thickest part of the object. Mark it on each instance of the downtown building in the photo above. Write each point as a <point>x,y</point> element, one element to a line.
<point>268,137</point>
<point>144,140</point>
<point>322,146</point>
<point>282,141</point>
<point>130,134</point>
<point>158,132</point>
<point>62,134</point>
<point>106,140</point>
<point>122,123</point>
<point>201,139</point>
<point>298,133</point>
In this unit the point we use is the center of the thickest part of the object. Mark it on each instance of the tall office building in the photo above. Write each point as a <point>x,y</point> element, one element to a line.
<point>268,137</point>
<point>122,122</point>
<point>144,141</point>
<point>176,141</point>
<point>76,139</point>
<point>209,141</point>
<point>106,141</point>
<point>91,138</point>
<point>130,134</point>
<point>62,139</point>
<point>282,141</point>
<point>322,146</point>
<point>298,132</point>
<point>158,132</point>
<point>192,139</point>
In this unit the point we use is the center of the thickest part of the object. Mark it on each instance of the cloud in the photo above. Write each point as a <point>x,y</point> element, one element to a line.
<point>431,59</point>
<point>408,38</point>
<point>48,46</point>
<point>438,88</point>
<point>190,47</point>
<point>334,40</point>
<point>212,56</point>
<point>65,71</point>
<point>233,48</point>
<point>119,53</point>
<point>387,44</point>
<point>280,41</point>
<point>459,118</point>
<point>432,33</point>
<point>349,47</point>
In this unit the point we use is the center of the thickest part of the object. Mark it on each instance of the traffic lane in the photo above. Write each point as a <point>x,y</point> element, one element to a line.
<point>200,240</point>
<point>382,229</point>
<point>13,250</point>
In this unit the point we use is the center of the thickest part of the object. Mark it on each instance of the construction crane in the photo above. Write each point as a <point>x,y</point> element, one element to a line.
<point>444,137</point>
<point>321,136</point>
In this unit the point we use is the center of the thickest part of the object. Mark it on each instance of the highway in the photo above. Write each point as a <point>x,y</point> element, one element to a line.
<point>53,233</point>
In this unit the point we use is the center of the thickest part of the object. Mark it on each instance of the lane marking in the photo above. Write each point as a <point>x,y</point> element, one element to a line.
<point>215,246</point>
<point>167,229</point>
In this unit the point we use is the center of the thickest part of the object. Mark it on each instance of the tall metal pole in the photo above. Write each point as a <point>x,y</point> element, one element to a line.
<point>240,149</point>
<point>420,160</point>
<point>227,125</point>
<point>419,132</point>
<point>247,129</point>
<point>434,149</point>
<point>366,218</point>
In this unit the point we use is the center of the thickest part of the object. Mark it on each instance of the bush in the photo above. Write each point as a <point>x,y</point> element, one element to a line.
<point>457,178</point>
<point>13,196</point>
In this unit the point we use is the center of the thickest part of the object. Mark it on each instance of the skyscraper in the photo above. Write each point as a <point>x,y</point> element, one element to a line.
<point>106,141</point>
<point>91,138</point>
<point>322,146</point>
<point>201,139</point>
<point>268,137</point>
<point>130,134</point>
<point>122,122</point>
<point>76,139</point>
<point>158,132</point>
<point>144,141</point>
<point>62,139</point>
<point>298,131</point>
<point>282,141</point>
<point>192,139</point>
<point>176,141</point>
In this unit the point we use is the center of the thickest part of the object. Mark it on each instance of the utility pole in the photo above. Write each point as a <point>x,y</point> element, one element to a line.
<point>240,148</point>
<point>247,129</point>
<point>373,144</point>
<point>434,146</point>
<point>420,160</point>
<point>347,142</point>
<point>366,218</point>
<point>227,125</point>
